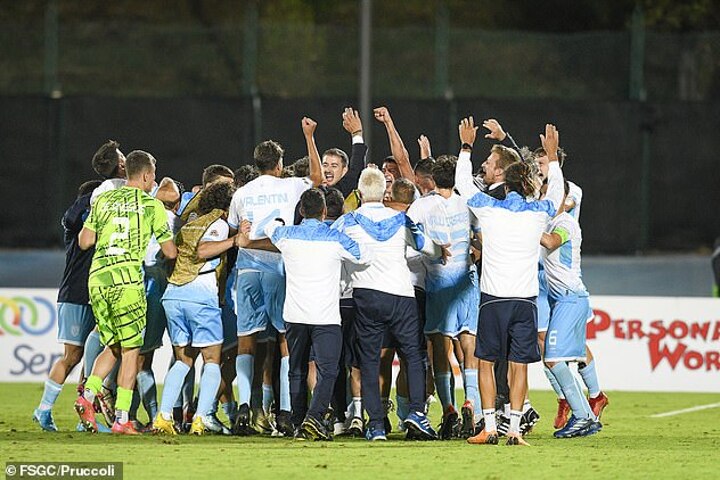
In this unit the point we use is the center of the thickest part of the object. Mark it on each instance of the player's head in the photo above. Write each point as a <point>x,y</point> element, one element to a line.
<point>403,191</point>
<point>312,204</point>
<point>268,157</point>
<point>443,171</point>
<point>390,166</point>
<point>424,175</point>
<point>216,195</point>
<point>540,156</point>
<point>88,187</point>
<point>493,168</point>
<point>214,173</point>
<point>371,185</point>
<point>335,165</point>
<point>140,169</point>
<point>334,202</point>
<point>168,193</point>
<point>302,167</point>
<point>109,161</point>
<point>519,179</point>
<point>245,174</point>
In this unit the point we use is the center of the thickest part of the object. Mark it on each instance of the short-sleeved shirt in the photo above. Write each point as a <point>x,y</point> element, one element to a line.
<point>562,266</point>
<point>447,221</point>
<point>124,220</point>
<point>261,201</point>
<point>204,288</point>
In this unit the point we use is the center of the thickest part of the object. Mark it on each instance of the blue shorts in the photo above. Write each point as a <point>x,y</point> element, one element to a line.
<point>565,338</point>
<point>229,319</point>
<point>75,322</point>
<point>507,329</point>
<point>542,302</point>
<point>454,310</point>
<point>155,286</point>
<point>196,324</point>
<point>259,301</point>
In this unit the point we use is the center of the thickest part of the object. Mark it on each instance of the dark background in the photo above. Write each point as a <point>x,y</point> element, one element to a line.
<point>634,88</point>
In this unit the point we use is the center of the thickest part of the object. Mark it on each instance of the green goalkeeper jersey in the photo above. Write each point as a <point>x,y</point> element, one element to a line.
<point>124,220</point>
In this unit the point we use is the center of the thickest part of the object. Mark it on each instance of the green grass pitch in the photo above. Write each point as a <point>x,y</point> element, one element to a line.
<point>631,445</point>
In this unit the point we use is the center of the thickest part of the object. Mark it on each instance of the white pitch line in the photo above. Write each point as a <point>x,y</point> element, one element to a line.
<point>685,410</point>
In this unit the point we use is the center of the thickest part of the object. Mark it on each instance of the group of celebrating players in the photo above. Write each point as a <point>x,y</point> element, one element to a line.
<point>312,277</point>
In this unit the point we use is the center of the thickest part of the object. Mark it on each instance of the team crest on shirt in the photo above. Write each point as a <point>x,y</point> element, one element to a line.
<point>213,233</point>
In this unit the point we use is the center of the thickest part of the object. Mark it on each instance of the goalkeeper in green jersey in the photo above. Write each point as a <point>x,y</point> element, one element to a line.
<point>120,225</point>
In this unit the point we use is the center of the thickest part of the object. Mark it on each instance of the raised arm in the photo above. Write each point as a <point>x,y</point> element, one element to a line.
<point>556,189</point>
<point>397,148</point>
<point>425,150</point>
<point>463,171</point>
<point>353,125</point>
<point>316,172</point>
<point>497,133</point>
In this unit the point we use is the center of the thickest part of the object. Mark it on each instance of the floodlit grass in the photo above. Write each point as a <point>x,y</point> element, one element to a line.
<point>631,445</point>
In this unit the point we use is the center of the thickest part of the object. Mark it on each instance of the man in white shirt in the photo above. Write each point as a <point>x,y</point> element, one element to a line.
<point>452,292</point>
<point>384,297</point>
<point>313,255</point>
<point>260,280</point>
<point>511,231</point>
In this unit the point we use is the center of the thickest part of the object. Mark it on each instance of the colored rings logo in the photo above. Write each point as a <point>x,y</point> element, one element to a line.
<point>26,315</point>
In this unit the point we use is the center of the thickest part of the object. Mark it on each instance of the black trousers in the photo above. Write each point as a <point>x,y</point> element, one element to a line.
<point>377,312</point>
<point>326,344</point>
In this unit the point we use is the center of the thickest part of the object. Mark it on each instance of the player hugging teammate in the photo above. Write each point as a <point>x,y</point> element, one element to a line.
<point>312,277</point>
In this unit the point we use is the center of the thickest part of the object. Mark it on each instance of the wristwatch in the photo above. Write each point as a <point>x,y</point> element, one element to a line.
<point>466,146</point>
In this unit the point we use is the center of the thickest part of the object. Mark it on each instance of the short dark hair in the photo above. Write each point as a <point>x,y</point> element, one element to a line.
<point>390,159</point>
<point>216,195</point>
<point>312,203</point>
<point>137,162</point>
<point>245,174</point>
<point>403,191</point>
<point>213,172</point>
<point>443,171</point>
<point>338,153</point>
<point>105,160</point>
<point>88,187</point>
<point>267,155</point>
<point>302,167</point>
<point>540,152</point>
<point>425,166</point>
<point>335,203</point>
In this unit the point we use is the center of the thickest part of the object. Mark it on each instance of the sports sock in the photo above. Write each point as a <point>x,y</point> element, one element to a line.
<point>188,389</point>
<point>148,392</point>
<point>403,407</point>
<point>209,384</point>
<point>110,382</point>
<point>472,391</point>
<point>490,423</point>
<point>93,384</point>
<point>506,410</point>
<point>267,397</point>
<point>357,407</point>
<point>452,388</point>
<point>50,394</point>
<point>230,409</point>
<point>589,376</point>
<point>256,397</point>
<point>442,384</point>
<point>122,404</point>
<point>244,365</point>
<point>134,404</point>
<point>526,405</point>
<point>515,416</point>
<point>553,383</point>
<point>171,390</point>
<point>575,398</point>
<point>93,347</point>
<point>285,384</point>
